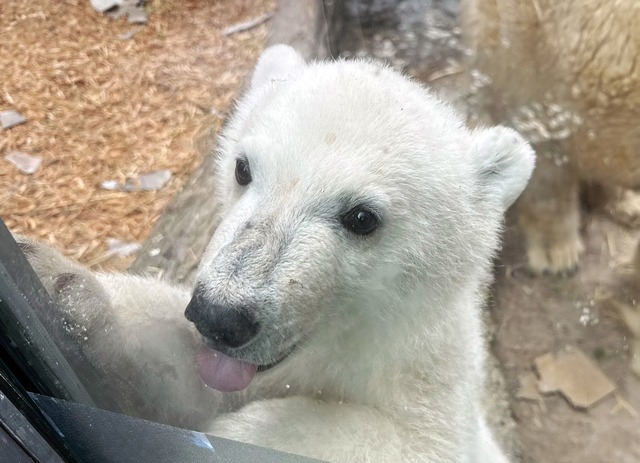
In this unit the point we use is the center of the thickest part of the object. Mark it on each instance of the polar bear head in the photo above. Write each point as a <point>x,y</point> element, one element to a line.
<point>344,187</point>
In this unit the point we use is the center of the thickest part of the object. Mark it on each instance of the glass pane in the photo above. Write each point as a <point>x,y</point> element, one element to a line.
<point>409,234</point>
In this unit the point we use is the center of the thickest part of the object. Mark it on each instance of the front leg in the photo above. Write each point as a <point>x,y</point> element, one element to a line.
<point>327,431</point>
<point>126,338</point>
<point>549,216</point>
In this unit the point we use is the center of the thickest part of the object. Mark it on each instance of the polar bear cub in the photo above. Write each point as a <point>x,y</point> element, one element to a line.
<point>337,307</point>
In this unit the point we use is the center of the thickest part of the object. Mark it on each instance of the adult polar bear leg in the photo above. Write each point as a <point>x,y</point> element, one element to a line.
<point>127,339</point>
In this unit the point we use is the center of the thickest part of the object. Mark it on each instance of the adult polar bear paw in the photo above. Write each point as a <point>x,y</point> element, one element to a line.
<point>338,303</point>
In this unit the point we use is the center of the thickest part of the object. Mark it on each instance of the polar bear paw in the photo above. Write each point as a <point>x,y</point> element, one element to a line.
<point>79,296</point>
<point>557,257</point>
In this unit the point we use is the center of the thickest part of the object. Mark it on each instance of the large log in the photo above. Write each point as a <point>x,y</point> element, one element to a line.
<point>182,232</point>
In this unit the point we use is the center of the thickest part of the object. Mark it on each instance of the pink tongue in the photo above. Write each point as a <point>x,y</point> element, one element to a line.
<point>222,372</point>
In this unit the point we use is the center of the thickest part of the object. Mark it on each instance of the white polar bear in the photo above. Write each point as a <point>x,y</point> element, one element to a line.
<point>339,300</point>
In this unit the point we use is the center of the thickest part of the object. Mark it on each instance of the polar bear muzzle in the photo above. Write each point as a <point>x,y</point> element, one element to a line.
<point>225,326</point>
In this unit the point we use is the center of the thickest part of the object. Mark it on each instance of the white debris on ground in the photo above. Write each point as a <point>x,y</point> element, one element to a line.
<point>25,163</point>
<point>145,182</point>
<point>246,25</point>
<point>11,118</point>
<point>116,9</point>
<point>119,248</point>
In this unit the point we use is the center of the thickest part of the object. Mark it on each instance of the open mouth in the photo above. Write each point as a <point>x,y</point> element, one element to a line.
<point>225,373</point>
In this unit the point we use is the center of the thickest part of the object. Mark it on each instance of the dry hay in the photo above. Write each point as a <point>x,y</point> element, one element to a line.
<point>103,108</point>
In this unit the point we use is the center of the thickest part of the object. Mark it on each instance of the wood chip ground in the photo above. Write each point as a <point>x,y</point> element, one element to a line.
<point>101,106</point>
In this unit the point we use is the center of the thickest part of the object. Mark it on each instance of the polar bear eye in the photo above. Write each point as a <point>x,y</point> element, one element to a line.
<point>360,220</point>
<point>243,173</point>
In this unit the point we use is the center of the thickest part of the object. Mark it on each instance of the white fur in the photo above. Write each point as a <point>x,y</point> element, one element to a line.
<point>390,356</point>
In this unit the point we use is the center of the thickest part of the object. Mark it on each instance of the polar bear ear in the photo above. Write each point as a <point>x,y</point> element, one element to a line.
<point>504,163</point>
<point>277,63</point>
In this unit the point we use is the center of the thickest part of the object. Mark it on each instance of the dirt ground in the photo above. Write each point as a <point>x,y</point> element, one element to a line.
<point>534,316</point>
<point>529,316</point>
<point>103,106</point>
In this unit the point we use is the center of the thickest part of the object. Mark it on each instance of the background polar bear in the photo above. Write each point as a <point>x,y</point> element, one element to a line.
<point>339,298</point>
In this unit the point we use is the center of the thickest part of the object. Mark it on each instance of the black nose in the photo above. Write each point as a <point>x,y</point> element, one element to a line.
<point>225,326</point>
